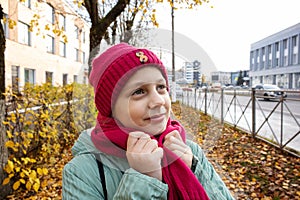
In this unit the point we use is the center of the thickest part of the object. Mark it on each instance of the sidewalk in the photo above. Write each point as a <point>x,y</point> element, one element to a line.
<point>252,169</point>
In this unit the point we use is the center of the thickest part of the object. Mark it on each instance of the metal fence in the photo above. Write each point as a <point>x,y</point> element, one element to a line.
<point>273,119</point>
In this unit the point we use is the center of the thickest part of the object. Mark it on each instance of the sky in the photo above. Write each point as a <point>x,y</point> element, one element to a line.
<point>226,31</point>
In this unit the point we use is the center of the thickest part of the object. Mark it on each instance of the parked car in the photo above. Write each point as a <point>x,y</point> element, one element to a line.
<point>269,91</point>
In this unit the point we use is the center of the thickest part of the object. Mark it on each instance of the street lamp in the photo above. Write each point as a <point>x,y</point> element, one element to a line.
<point>173,92</point>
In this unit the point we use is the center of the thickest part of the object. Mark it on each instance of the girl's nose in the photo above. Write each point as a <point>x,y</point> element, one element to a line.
<point>156,99</point>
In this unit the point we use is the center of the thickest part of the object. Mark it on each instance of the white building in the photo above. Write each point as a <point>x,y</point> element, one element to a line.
<point>275,59</point>
<point>192,72</point>
<point>55,49</point>
<point>221,77</point>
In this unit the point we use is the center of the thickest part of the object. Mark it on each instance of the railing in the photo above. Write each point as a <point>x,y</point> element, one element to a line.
<point>273,119</point>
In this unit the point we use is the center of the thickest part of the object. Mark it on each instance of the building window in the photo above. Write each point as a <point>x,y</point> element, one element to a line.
<point>15,76</point>
<point>83,36</point>
<point>257,60</point>
<point>49,77</point>
<point>76,32</point>
<point>270,56</point>
<point>26,3</point>
<point>75,79</point>
<point>83,58</point>
<point>62,22</point>
<point>285,52</point>
<point>62,49</point>
<point>65,79</point>
<point>297,80</point>
<point>285,44</point>
<point>277,54</point>
<point>295,50</point>
<point>49,13</point>
<point>50,45</point>
<point>263,58</point>
<point>24,35</point>
<point>77,55</point>
<point>4,23</point>
<point>29,76</point>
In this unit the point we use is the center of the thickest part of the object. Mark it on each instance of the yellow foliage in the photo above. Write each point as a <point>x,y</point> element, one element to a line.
<point>22,181</point>
<point>11,23</point>
<point>36,186</point>
<point>52,128</point>
<point>28,185</point>
<point>32,175</point>
<point>6,181</point>
<point>10,144</point>
<point>9,167</point>
<point>5,122</point>
<point>39,171</point>
<point>16,185</point>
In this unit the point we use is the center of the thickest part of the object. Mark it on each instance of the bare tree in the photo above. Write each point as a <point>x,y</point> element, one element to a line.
<point>100,25</point>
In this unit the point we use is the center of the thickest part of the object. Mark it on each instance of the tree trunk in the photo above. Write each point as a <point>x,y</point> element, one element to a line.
<point>6,189</point>
<point>100,26</point>
<point>2,50</point>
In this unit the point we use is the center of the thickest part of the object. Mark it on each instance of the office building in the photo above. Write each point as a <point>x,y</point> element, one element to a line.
<point>275,59</point>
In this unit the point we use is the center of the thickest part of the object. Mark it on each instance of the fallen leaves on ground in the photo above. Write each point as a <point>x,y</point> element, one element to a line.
<point>52,189</point>
<point>251,168</point>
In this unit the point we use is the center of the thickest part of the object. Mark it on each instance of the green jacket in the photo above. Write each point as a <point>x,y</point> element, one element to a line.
<point>81,179</point>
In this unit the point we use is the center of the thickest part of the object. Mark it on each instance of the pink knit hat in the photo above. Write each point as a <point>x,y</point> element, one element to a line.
<point>113,68</point>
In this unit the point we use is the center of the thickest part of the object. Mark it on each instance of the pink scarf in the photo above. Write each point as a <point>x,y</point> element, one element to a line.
<point>111,139</point>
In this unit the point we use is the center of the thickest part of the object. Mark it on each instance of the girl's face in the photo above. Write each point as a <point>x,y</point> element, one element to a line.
<point>144,103</point>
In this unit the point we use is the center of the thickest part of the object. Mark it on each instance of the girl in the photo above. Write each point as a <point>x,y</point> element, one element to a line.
<point>136,151</point>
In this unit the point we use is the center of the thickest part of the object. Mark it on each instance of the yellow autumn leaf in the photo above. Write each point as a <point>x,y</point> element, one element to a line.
<point>30,135</point>
<point>10,144</point>
<point>6,181</point>
<point>9,168</point>
<point>39,171</point>
<point>13,118</point>
<point>28,185</point>
<point>8,133</point>
<point>5,122</point>
<point>32,175</point>
<point>36,186</point>
<point>22,181</point>
<point>47,27</point>
<point>16,185</point>
<point>44,184</point>
<point>17,169</point>
<point>45,171</point>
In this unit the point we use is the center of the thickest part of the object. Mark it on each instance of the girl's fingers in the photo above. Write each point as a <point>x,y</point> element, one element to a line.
<point>150,146</point>
<point>177,147</point>
<point>174,134</point>
<point>171,140</point>
<point>137,140</point>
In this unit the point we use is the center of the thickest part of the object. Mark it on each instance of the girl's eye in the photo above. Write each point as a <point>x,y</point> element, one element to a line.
<point>162,87</point>
<point>138,92</point>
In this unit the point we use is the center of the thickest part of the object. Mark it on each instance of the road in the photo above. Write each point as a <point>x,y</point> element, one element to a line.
<point>283,119</point>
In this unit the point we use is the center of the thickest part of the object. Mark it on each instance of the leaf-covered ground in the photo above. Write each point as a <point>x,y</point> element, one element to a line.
<point>251,168</point>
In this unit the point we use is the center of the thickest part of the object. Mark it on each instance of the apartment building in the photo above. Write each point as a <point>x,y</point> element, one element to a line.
<point>192,72</point>
<point>46,41</point>
<point>275,59</point>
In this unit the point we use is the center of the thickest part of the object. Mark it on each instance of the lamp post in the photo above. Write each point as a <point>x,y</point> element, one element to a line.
<point>173,92</point>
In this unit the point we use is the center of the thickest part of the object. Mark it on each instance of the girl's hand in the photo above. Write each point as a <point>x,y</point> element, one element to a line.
<point>174,142</point>
<point>144,155</point>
